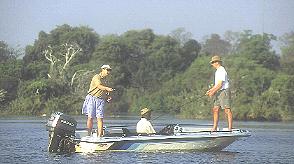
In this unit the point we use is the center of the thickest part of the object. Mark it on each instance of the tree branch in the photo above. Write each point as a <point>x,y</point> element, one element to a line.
<point>70,53</point>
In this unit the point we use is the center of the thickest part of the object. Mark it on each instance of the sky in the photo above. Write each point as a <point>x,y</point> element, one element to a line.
<point>22,20</point>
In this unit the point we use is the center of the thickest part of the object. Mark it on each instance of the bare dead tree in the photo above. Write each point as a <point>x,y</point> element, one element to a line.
<point>51,58</point>
<point>71,51</point>
<point>60,59</point>
<point>74,76</point>
<point>60,62</point>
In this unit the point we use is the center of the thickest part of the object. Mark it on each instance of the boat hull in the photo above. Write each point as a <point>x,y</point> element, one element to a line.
<point>65,138</point>
<point>203,141</point>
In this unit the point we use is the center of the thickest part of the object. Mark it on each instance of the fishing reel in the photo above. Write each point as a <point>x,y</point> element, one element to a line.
<point>178,129</point>
<point>108,97</point>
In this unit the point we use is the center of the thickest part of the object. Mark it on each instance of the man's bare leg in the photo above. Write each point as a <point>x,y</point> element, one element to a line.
<point>230,118</point>
<point>100,127</point>
<point>215,111</point>
<point>89,125</point>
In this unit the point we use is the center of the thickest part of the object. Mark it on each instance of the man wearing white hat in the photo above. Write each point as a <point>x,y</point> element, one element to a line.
<point>94,102</point>
<point>221,93</point>
<point>144,126</point>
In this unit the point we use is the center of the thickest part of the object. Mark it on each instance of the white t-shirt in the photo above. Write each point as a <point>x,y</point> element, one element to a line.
<point>144,126</point>
<point>221,75</point>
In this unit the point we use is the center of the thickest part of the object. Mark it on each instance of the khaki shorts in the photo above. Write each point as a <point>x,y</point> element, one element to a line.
<point>223,99</point>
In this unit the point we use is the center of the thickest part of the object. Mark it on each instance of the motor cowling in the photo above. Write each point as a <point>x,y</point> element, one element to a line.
<point>61,129</point>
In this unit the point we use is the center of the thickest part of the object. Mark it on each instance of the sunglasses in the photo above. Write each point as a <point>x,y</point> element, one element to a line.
<point>108,70</point>
<point>213,62</point>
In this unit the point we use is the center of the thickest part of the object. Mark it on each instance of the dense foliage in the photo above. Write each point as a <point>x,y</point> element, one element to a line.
<point>167,73</point>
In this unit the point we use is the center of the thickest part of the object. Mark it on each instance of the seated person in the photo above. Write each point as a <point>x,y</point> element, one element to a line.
<point>144,126</point>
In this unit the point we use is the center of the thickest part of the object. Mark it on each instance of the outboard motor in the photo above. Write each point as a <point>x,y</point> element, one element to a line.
<point>61,129</point>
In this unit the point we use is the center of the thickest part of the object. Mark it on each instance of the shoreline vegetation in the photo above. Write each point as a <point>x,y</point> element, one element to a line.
<point>131,115</point>
<point>166,73</point>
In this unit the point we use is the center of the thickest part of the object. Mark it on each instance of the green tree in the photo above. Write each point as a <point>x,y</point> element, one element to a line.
<point>35,53</point>
<point>163,61</point>
<point>181,94</point>
<point>287,56</point>
<point>83,37</point>
<point>216,45</point>
<point>248,81</point>
<point>11,69</point>
<point>189,53</point>
<point>2,95</point>
<point>181,35</point>
<point>113,51</point>
<point>138,42</point>
<point>5,52</point>
<point>258,48</point>
<point>234,39</point>
<point>35,70</point>
<point>142,60</point>
<point>8,53</point>
<point>278,99</point>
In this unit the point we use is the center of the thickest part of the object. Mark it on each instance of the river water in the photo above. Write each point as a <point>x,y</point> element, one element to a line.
<point>24,140</point>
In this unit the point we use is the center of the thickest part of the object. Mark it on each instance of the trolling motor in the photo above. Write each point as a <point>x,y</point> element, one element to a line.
<point>61,129</point>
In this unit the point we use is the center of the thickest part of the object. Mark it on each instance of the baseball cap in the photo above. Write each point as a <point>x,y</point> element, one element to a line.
<point>105,66</point>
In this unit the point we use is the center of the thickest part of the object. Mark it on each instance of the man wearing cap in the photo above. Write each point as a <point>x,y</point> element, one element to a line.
<point>221,93</point>
<point>144,126</point>
<point>94,102</point>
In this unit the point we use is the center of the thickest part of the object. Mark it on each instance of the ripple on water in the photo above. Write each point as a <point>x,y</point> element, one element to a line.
<point>27,143</point>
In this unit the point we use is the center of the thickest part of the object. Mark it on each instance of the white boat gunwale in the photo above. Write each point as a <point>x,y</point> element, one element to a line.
<point>178,136</point>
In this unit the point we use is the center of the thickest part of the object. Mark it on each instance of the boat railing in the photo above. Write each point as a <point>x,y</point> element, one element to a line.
<point>169,130</point>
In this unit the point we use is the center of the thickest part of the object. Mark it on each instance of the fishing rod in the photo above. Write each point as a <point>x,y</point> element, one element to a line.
<point>177,109</point>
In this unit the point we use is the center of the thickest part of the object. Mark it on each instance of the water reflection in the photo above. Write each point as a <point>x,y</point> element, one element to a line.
<point>25,141</point>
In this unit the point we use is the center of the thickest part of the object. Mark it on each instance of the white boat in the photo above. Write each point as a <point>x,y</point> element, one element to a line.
<point>173,137</point>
